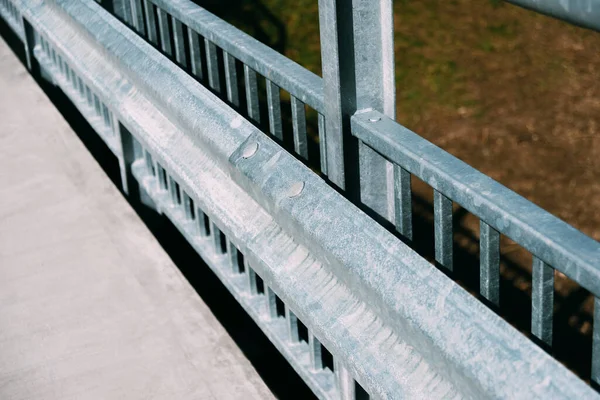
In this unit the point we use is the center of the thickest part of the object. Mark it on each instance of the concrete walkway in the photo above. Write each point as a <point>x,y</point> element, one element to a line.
<point>91,307</point>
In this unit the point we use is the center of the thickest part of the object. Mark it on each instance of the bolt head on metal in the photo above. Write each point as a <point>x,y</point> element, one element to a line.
<point>296,189</point>
<point>375,119</point>
<point>250,150</point>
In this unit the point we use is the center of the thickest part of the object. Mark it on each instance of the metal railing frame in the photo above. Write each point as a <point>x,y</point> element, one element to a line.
<point>394,324</point>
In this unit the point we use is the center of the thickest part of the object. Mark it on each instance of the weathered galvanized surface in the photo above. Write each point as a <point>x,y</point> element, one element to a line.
<point>392,321</point>
<point>280,70</point>
<point>90,305</point>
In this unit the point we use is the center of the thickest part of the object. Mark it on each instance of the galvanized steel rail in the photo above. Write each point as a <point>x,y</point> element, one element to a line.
<point>317,275</point>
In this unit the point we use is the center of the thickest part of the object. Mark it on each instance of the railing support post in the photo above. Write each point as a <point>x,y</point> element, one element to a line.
<point>357,53</point>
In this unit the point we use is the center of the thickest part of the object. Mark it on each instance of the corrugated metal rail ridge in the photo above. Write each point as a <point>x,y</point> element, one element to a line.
<point>354,310</point>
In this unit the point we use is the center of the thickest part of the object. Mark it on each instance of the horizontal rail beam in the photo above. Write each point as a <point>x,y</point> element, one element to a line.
<point>584,13</point>
<point>544,235</point>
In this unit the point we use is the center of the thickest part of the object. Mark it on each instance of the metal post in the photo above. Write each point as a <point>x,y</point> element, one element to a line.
<point>122,9</point>
<point>357,52</point>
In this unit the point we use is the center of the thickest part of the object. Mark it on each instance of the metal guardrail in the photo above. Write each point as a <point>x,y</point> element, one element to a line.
<point>355,311</point>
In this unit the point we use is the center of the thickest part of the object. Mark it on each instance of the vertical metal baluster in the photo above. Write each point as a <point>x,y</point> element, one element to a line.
<point>271,303</point>
<point>403,201</point>
<point>274,105</point>
<point>80,87</point>
<point>299,127</point>
<point>150,22</point>
<point>43,45</point>
<point>200,220</point>
<point>149,162</point>
<point>489,263</point>
<point>251,93</point>
<point>322,143</point>
<point>232,251</point>
<point>73,79</point>
<point>88,93</point>
<point>163,31</point>
<point>195,54</point>
<point>167,181</point>
<point>292,325</point>
<point>105,115</point>
<point>178,41</point>
<point>111,123</point>
<point>542,301</point>
<point>173,191</point>
<point>251,278</point>
<point>187,206</point>
<point>122,8</point>
<point>217,239</point>
<point>137,16</point>
<point>316,361</point>
<point>107,120</point>
<point>442,210</point>
<point>158,175</point>
<point>596,343</point>
<point>231,81</point>
<point>357,53</point>
<point>97,106</point>
<point>345,381</point>
<point>212,65</point>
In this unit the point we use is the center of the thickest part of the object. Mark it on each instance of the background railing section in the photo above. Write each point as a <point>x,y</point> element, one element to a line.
<point>245,73</point>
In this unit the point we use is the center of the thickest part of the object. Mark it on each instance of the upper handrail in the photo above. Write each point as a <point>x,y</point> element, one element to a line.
<point>585,13</point>
<point>279,69</point>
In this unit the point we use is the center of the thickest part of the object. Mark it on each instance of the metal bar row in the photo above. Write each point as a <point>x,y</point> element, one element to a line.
<point>239,276</point>
<point>553,243</point>
<point>544,235</point>
<point>169,34</point>
<point>279,69</point>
